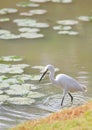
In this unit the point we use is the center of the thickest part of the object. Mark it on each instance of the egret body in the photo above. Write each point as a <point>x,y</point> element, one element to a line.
<point>67,83</point>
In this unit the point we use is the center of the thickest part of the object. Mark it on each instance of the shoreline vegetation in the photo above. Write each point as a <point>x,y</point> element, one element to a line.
<point>74,118</point>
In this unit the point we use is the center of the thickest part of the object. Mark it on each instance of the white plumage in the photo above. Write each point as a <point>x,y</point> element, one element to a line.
<point>67,83</point>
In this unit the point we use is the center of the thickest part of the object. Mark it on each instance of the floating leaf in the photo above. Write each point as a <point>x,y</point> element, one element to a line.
<point>18,90</point>
<point>35,94</point>
<point>25,22</point>
<point>27,4</point>
<point>84,18</point>
<point>35,77</point>
<point>4,86</point>
<point>31,35</point>
<point>20,100</point>
<point>22,86</point>
<point>1,92</point>
<point>42,25</point>
<point>59,27</point>
<point>10,58</point>
<point>3,98</point>
<point>13,81</point>
<point>4,19</point>
<point>29,30</point>
<point>8,10</point>
<point>4,32</point>
<point>2,77</point>
<point>67,22</point>
<point>39,1</point>
<point>68,32</point>
<point>22,66</point>
<point>9,36</point>
<point>66,1</point>
<point>23,77</point>
<point>38,11</point>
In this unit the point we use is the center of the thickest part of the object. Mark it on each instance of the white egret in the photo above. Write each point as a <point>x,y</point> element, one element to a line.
<point>67,83</point>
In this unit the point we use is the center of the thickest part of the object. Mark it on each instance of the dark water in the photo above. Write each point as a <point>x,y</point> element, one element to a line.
<point>71,54</point>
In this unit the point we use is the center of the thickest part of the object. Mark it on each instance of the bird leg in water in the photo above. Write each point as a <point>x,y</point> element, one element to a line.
<point>64,93</point>
<point>71,97</point>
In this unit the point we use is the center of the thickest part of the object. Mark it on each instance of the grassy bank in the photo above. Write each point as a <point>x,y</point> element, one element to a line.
<point>76,118</point>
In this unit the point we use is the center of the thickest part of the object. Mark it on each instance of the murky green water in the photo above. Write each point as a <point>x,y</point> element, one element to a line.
<point>70,53</point>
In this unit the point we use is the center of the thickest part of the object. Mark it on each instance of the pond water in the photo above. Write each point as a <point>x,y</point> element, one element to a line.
<point>69,49</point>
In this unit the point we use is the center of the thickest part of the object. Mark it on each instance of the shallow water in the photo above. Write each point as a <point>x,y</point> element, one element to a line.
<point>71,54</point>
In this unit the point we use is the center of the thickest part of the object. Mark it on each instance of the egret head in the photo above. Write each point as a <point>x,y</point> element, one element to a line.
<point>47,68</point>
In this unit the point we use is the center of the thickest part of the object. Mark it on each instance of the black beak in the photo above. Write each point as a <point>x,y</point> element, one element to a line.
<point>43,75</point>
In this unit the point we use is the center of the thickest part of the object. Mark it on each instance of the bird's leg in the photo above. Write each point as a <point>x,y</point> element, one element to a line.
<point>64,93</point>
<point>71,97</point>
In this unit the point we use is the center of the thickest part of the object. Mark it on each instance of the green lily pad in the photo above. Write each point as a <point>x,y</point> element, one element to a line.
<point>31,35</point>
<point>4,19</point>
<point>10,58</point>
<point>8,10</point>
<point>27,4</point>
<point>3,98</point>
<point>67,22</point>
<point>68,32</point>
<point>25,22</point>
<point>66,1</point>
<point>20,101</point>
<point>64,28</point>
<point>1,92</point>
<point>2,78</point>
<point>18,90</point>
<point>21,87</point>
<point>23,77</point>
<point>33,12</point>
<point>2,32</point>
<point>35,94</point>
<point>13,81</point>
<point>9,36</point>
<point>38,11</point>
<point>35,77</point>
<point>39,1</point>
<point>29,30</point>
<point>84,18</point>
<point>4,86</point>
<point>12,69</point>
<point>20,66</point>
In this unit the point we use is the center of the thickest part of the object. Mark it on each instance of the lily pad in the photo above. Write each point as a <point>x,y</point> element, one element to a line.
<point>10,58</point>
<point>68,32</point>
<point>8,10</point>
<point>22,66</point>
<point>3,98</point>
<point>64,28</point>
<point>4,19</point>
<point>38,11</point>
<point>9,36</point>
<point>2,78</point>
<point>27,4</point>
<point>67,22</point>
<point>4,32</point>
<point>12,69</point>
<point>4,86</point>
<point>20,100</point>
<point>66,1</point>
<point>1,92</point>
<point>18,90</point>
<point>25,22</point>
<point>31,35</point>
<point>13,81</point>
<point>84,18</point>
<point>23,77</point>
<point>35,94</point>
<point>29,30</point>
<point>39,1</point>
<point>35,77</point>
